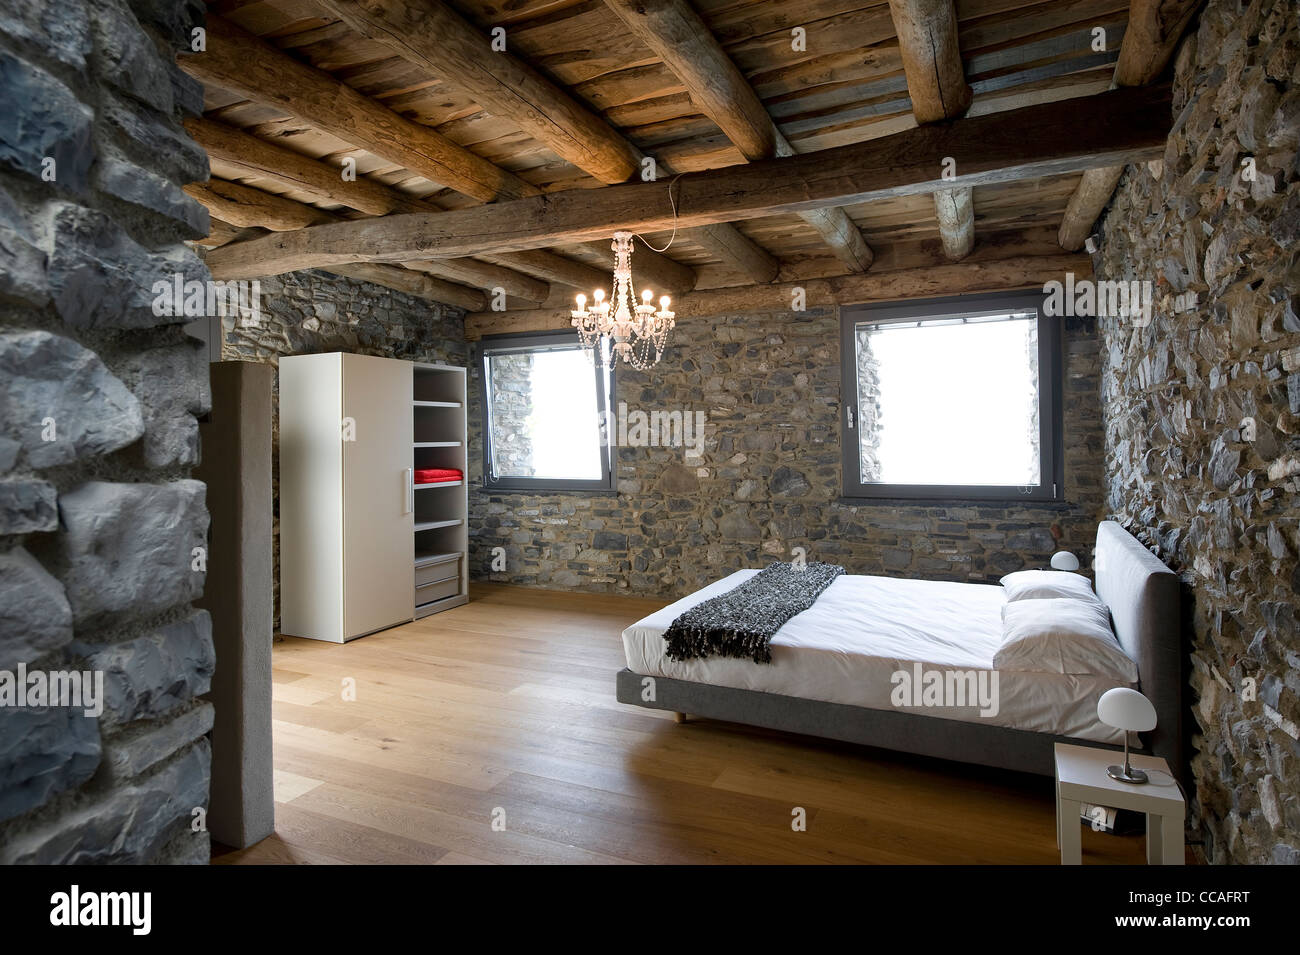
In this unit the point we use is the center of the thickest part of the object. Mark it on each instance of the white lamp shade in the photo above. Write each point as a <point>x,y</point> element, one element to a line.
<point>1064,560</point>
<point>1126,709</point>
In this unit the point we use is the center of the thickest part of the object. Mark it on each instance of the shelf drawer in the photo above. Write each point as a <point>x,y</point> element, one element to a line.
<point>437,591</point>
<point>436,571</point>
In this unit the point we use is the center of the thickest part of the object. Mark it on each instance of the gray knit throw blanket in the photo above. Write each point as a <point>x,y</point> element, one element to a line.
<point>742,622</point>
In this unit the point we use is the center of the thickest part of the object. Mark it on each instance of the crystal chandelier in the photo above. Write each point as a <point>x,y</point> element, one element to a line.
<point>620,326</point>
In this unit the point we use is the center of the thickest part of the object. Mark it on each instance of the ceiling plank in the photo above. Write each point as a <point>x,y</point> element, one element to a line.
<point>239,61</point>
<point>677,35</point>
<point>1154,29</point>
<point>1118,126</point>
<point>936,83</point>
<point>876,286</point>
<point>434,37</point>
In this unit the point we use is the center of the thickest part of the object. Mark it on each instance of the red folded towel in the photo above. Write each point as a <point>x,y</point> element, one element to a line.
<point>437,475</point>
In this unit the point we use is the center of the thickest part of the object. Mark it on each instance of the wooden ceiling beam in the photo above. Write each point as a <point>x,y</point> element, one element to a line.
<point>677,35</point>
<point>243,63</point>
<point>1113,127</point>
<point>936,83</point>
<point>432,36</point>
<point>414,283</point>
<point>852,289</point>
<point>1153,31</point>
<point>260,159</point>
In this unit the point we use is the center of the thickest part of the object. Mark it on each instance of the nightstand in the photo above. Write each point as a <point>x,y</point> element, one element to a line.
<point>1081,777</point>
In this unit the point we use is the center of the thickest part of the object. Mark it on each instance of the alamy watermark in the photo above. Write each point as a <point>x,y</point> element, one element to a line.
<point>655,429</point>
<point>195,299</point>
<point>946,688</point>
<point>82,689</point>
<point>1100,299</point>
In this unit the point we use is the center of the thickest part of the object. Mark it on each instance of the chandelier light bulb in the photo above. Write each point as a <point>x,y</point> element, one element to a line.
<point>600,295</point>
<point>582,301</point>
<point>665,302</point>
<point>646,295</point>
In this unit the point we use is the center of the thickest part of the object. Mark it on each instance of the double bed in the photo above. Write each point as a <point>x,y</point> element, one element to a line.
<point>835,667</point>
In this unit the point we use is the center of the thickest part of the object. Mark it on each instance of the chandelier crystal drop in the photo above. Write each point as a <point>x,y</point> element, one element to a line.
<point>620,326</point>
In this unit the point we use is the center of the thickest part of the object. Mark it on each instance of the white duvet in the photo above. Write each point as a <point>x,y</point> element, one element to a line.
<point>863,631</point>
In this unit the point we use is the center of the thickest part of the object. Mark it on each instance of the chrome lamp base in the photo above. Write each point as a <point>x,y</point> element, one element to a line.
<point>1126,774</point>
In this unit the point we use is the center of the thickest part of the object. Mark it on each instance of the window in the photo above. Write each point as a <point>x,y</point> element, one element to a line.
<point>545,404</point>
<point>954,398</point>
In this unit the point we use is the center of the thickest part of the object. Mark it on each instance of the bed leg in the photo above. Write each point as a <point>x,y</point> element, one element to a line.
<point>679,717</point>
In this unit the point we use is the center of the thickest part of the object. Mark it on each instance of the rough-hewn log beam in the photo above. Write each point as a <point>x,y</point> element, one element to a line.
<point>1117,126</point>
<point>1154,28</point>
<point>683,41</point>
<point>936,83</point>
<point>260,159</point>
<point>238,61</point>
<point>950,279</point>
<point>437,39</point>
<point>252,208</point>
<point>486,276</point>
<point>254,157</point>
<point>414,283</point>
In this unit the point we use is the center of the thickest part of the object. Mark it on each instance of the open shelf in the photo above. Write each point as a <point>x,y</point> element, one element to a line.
<point>433,484</point>
<point>437,404</point>
<point>436,525</point>
<point>423,559</point>
<point>438,444</point>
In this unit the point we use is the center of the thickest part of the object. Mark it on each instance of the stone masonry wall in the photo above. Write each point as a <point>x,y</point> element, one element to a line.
<point>307,313</point>
<point>1202,408</point>
<point>769,478</point>
<point>101,530</point>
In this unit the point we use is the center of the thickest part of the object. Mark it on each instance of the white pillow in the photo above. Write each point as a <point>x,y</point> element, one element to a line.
<point>1062,635</point>
<point>1046,584</point>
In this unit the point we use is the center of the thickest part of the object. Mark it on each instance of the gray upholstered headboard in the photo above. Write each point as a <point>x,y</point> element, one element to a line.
<point>1143,596</point>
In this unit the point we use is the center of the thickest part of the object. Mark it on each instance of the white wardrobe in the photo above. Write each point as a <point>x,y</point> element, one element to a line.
<point>362,547</point>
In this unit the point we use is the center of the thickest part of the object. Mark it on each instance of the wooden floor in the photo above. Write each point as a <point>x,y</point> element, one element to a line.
<point>504,709</point>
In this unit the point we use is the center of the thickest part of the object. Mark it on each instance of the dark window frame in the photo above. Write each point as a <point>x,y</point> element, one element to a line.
<point>605,397</point>
<point>1051,486</point>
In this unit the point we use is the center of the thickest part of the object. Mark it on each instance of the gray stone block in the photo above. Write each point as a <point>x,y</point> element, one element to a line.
<point>60,403</point>
<point>28,507</point>
<point>127,58</point>
<point>35,618</point>
<point>138,749</point>
<point>128,549</point>
<point>22,263</point>
<point>101,278</point>
<point>148,190</point>
<point>128,824</point>
<point>44,751</point>
<point>174,19</point>
<point>43,119</point>
<point>60,30</point>
<point>172,386</point>
<point>153,675</point>
<point>168,148</point>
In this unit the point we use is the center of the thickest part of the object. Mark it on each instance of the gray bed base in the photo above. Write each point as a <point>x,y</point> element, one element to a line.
<point>1143,596</point>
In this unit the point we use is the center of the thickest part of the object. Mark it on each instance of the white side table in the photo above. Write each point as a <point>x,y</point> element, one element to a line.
<point>1081,777</point>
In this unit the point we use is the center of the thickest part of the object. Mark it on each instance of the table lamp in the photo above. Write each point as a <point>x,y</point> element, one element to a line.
<point>1130,711</point>
<point>1064,560</point>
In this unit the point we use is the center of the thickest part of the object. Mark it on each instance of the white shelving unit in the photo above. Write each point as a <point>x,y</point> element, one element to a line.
<point>441,534</point>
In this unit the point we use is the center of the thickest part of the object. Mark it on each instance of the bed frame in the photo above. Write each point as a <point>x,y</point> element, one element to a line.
<point>1143,597</point>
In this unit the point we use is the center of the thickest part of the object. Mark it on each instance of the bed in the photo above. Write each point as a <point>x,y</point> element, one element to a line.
<point>832,667</point>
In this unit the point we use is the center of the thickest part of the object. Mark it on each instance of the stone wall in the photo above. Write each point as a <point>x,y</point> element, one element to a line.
<point>769,478</point>
<point>1202,408</point>
<point>511,408</point>
<point>307,313</point>
<point>102,533</point>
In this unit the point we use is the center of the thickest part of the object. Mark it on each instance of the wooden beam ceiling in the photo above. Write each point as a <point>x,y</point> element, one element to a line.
<point>433,37</point>
<point>936,83</point>
<point>677,35</point>
<point>1153,31</point>
<point>239,61</point>
<point>1117,126</point>
<point>259,159</point>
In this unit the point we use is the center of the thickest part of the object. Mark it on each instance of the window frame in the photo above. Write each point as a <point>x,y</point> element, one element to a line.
<point>542,341</point>
<point>1051,486</point>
